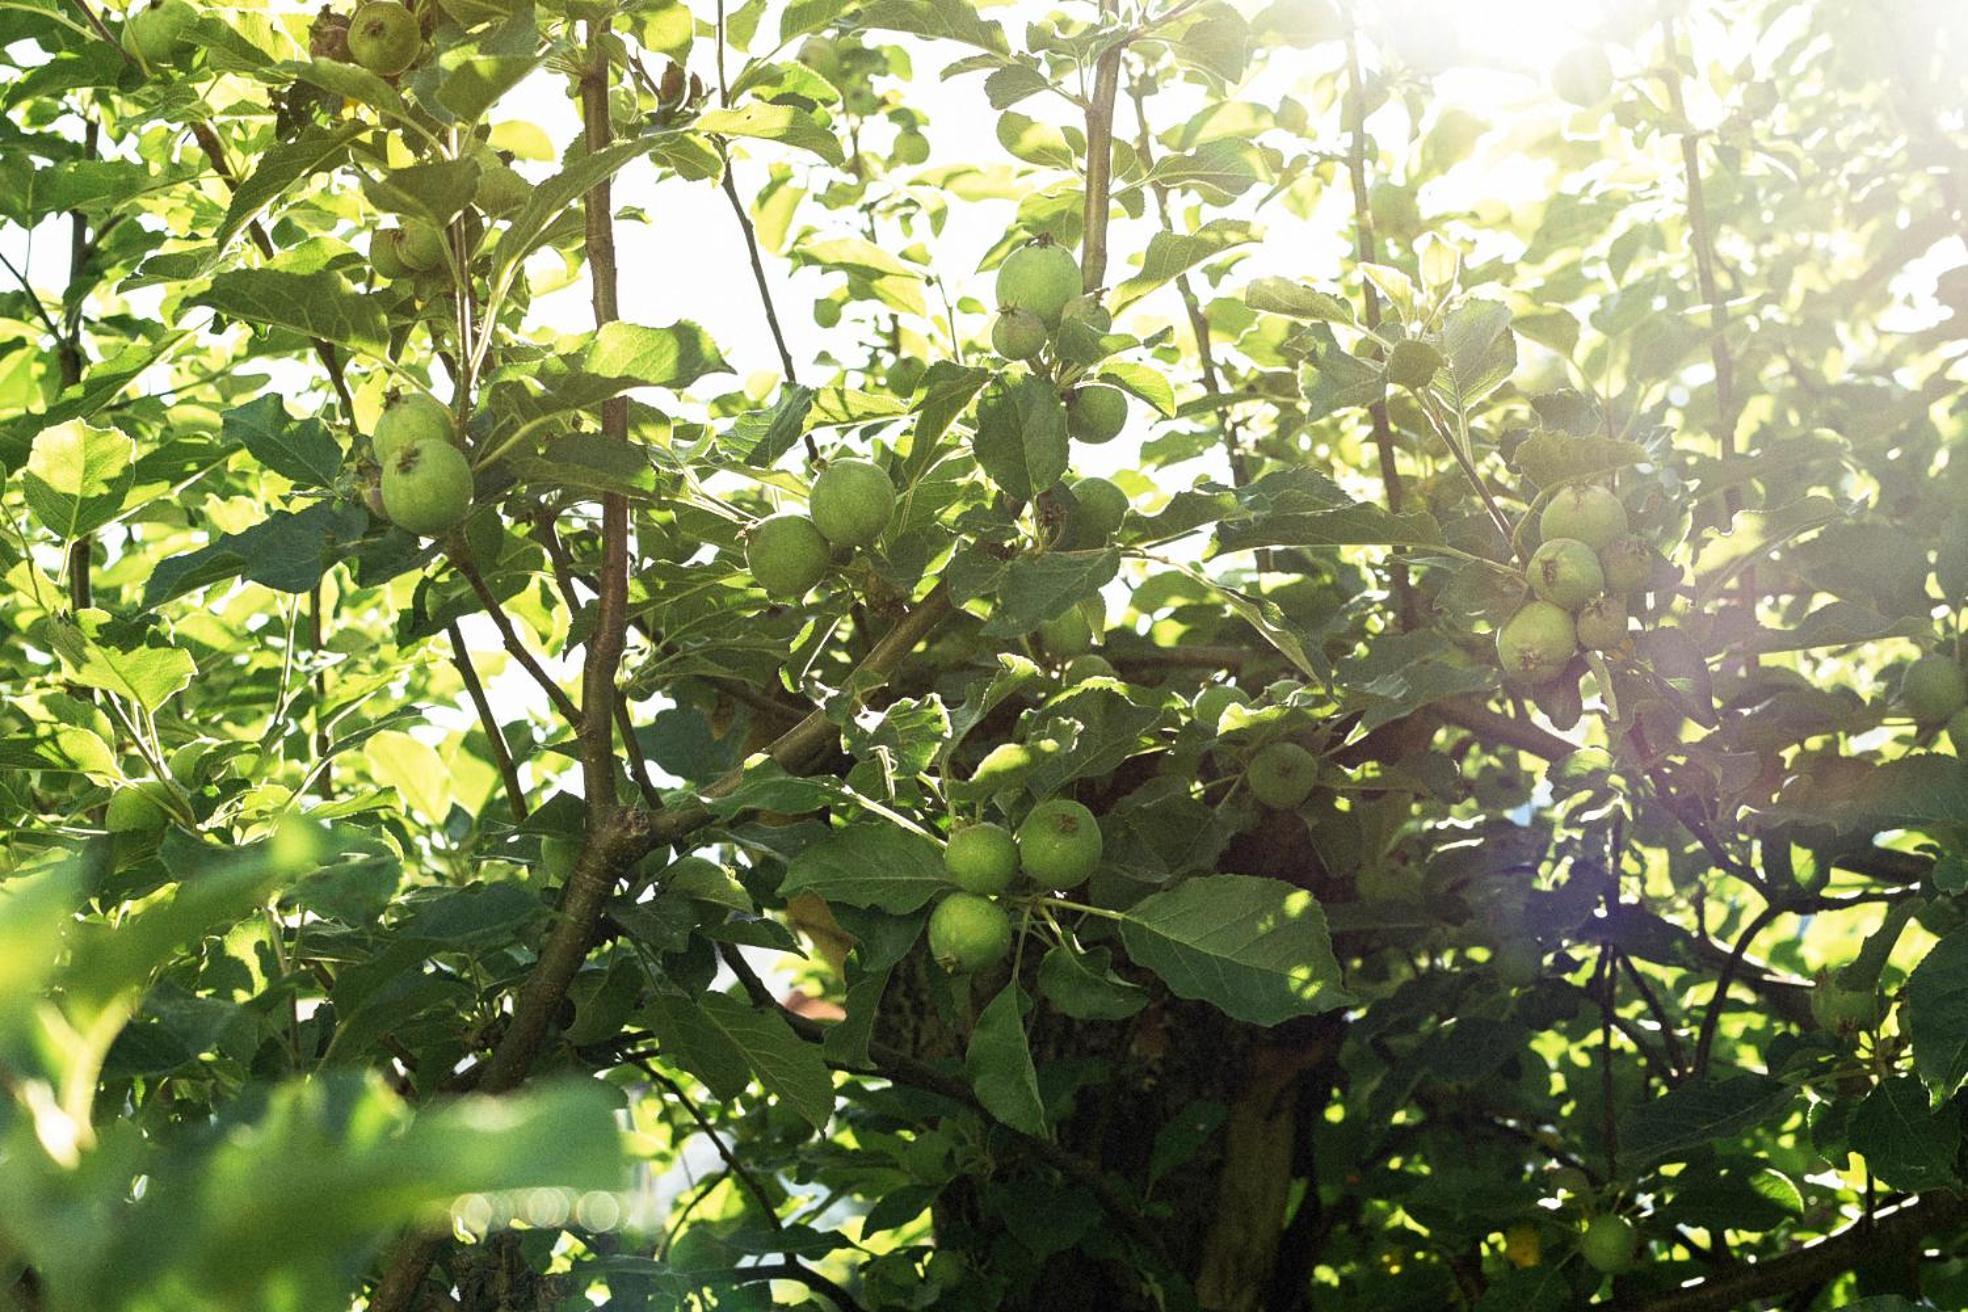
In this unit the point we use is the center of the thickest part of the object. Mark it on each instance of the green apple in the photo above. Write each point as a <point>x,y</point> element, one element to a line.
<point>1213,701</point>
<point>852,502</point>
<point>427,488</point>
<point>981,858</point>
<point>1628,564</point>
<point>384,37</point>
<point>1101,507</point>
<point>1395,211</point>
<point>1059,843</point>
<point>1843,1010</point>
<point>1583,76</point>
<point>1957,732</point>
<point>558,855</point>
<point>412,417</point>
<point>1041,278</point>
<point>1601,624</point>
<point>1089,666</point>
<point>1068,635</point>
<point>968,933</point>
<point>421,246</point>
<point>1536,643</point>
<point>1083,328</point>
<point>386,254</point>
<point>1565,572</point>
<point>1096,413</point>
<point>1589,513</point>
<point>1609,1243</point>
<point>911,147</point>
<point>1018,334</point>
<point>1934,688</point>
<point>787,555</point>
<point>155,34</point>
<point>1282,775</point>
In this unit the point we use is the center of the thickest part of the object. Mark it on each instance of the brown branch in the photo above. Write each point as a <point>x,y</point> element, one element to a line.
<point>517,649</point>
<point>1713,1019</point>
<point>1099,166</point>
<point>730,188</point>
<point>1199,325</point>
<point>1864,1241</point>
<point>1367,250</point>
<point>501,754</point>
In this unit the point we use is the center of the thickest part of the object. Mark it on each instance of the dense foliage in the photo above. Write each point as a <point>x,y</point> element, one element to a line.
<point>1322,675</point>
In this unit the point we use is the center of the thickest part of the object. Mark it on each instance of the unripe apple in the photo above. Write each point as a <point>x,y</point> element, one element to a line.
<point>1395,211</point>
<point>787,555</point>
<point>1083,327</point>
<point>1843,1010</point>
<point>1934,688</point>
<point>1096,413</point>
<point>1584,76</point>
<point>1068,635</point>
<point>1536,643</point>
<point>384,37</point>
<point>910,148</point>
<point>1059,844</point>
<point>1018,334</point>
<point>1628,563</point>
<point>1609,1243</point>
<point>1587,512</point>
<point>852,502</point>
<point>386,254</point>
<point>1601,624</point>
<point>968,933</point>
<point>1101,507</point>
<point>412,417</point>
<point>1090,666</point>
<point>1041,278</point>
<point>421,247</point>
<point>981,858</point>
<point>1282,775</point>
<point>427,488</point>
<point>1957,732</point>
<point>1413,364</point>
<point>1565,572</point>
<point>1523,1245</point>
<point>155,35</point>
<point>1213,701</point>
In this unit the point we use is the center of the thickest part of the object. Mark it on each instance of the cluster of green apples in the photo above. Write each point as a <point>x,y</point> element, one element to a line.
<point>850,506</point>
<point>426,481</point>
<point>1044,317</point>
<point>1581,576</point>
<point>1934,691</point>
<point>1057,846</point>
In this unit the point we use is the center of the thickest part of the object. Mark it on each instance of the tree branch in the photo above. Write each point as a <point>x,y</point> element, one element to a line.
<point>501,754</point>
<point>518,650</point>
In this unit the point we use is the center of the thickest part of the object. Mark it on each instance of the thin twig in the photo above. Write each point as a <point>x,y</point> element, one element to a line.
<point>518,650</point>
<point>501,754</point>
<point>1713,1019</point>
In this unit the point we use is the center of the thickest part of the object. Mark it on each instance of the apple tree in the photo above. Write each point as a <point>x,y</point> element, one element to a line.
<point>1273,654</point>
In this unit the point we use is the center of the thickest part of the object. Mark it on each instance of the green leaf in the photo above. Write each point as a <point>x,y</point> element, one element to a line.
<point>999,1063</point>
<point>1021,438</point>
<point>1084,986</point>
<point>1699,1112</point>
<point>1172,253</point>
<point>1937,1014</point>
<point>77,478</point>
<point>673,357</point>
<point>436,193</point>
<point>303,450</point>
<point>1906,1142</point>
<point>783,123</point>
<point>1039,588</point>
<point>869,864</point>
<point>313,304</point>
<point>724,1042</point>
<point>315,150</point>
<point>121,658</point>
<point>474,85</point>
<point>1257,949</point>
